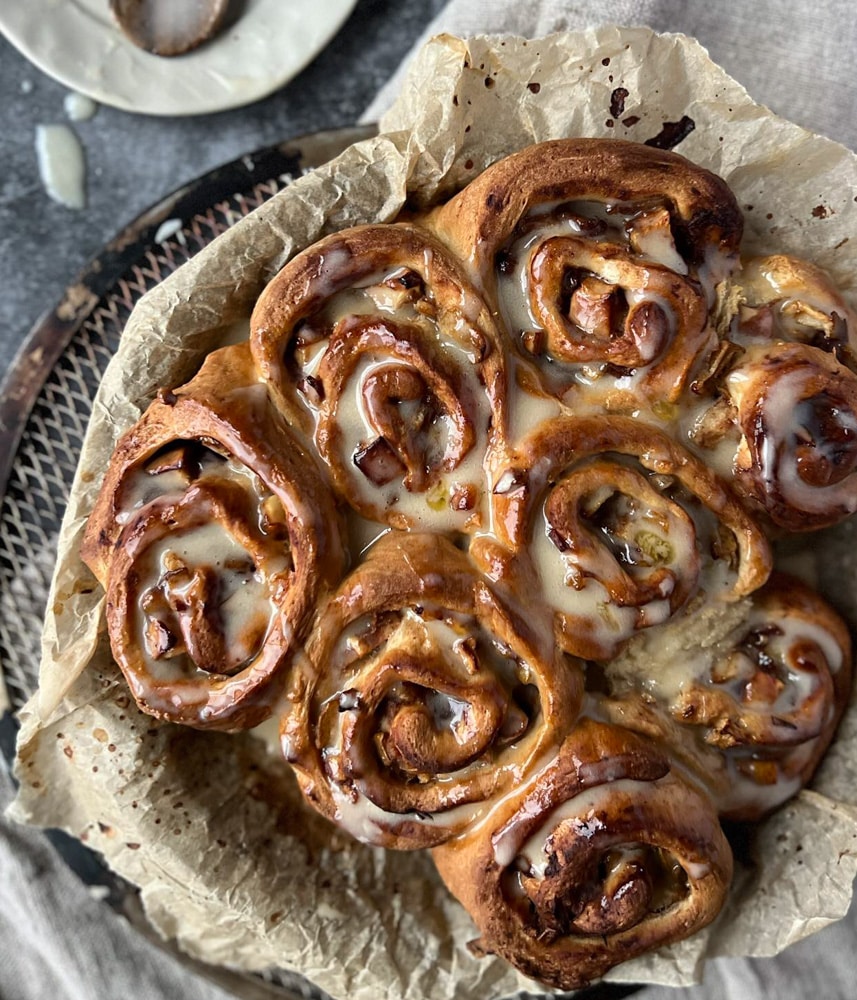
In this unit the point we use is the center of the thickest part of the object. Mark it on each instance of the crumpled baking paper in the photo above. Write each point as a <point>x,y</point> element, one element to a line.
<point>211,827</point>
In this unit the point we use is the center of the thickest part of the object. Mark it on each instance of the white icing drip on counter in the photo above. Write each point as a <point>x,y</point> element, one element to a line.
<point>62,167</point>
<point>79,107</point>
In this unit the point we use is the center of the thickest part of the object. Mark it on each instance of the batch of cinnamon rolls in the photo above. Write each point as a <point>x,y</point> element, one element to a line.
<point>484,513</point>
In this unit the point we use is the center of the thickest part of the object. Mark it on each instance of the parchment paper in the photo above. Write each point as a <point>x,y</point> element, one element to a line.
<point>211,827</point>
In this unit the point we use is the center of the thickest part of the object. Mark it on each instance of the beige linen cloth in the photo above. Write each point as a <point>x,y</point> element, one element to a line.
<point>57,941</point>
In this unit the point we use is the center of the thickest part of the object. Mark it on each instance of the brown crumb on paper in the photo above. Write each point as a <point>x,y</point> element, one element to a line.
<point>672,133</point>
<point>617,101</point>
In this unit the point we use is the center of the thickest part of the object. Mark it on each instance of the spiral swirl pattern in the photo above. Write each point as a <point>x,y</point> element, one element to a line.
<point>623,527</point>
<point>482,515</point>
<point>378,342</point>
<point>607,853</point>
<point>213,536</point>
<point>426,697</point>
<point>771,695</point>
<point>785,425</point>
<point>603,285</point>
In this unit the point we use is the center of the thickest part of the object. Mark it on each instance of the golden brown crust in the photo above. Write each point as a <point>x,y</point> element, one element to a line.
<point>789,411</point>
<point>772,696</point>
<point>786,298</point>
<point>607,853</point>
<point>426,696</point>
<point>612,251</point>
<point>580,169</point>
<point>628,530</point>
<point>377,338</point>
<point>202,455</point>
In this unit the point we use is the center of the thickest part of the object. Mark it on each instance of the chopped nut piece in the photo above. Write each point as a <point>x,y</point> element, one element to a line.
<point>592,307</point>
<point>719,364</point>
<point>533,341</point>
<point>657,550</point>
<point>463,496</point>
<point>714,424</point>
<point>272,518</point>
<point>763,772</point>
<point>379,463</point>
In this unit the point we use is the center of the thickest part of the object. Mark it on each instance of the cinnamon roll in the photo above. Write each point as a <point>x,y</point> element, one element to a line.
<point>483,507</point>
<point>622,526</point>
<point>786,423</point>
<point>770,694</point>
<point>784,298</point>
<point>608,852</point>
<point>426,697</point>
<point>602,258</point>
<point>375,339</point>
<point>213,535</point>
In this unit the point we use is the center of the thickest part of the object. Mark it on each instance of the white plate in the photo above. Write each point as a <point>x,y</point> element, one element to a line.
<point>78,43</point>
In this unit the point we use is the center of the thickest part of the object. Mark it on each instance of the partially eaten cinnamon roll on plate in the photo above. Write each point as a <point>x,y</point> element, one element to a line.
<point>483,517</point>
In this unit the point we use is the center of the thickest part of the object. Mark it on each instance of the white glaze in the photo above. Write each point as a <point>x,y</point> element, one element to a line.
<point>687,648</point>
<point>658,246</point>
<point>783,289</point>
<point>720,457</point>
<point>572,586</point>
<point>62,167</point>
<point>513,288</point>
<point>526,410</point>
<point>783,414</point>
<point>367,822</point>
<point>794,629</point>
<point>243,596</point>
<point>430,510</point>
<point>78,107</point>
<point>140,487</point>
<point>741,792</point>
<point>584,808</point>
